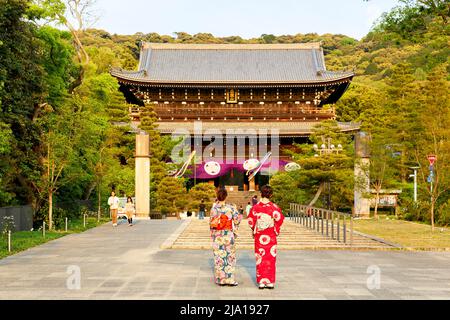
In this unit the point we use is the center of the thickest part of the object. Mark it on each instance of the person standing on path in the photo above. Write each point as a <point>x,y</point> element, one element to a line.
<point>248,208</point>
<point>113,203</point>
<point>224,222</point>
<point>130,210</point>
<point>265,220</point>
<point>254,200</point>
<point>201,210</point>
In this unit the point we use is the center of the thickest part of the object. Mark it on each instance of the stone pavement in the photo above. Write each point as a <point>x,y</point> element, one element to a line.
<point>127,263</point>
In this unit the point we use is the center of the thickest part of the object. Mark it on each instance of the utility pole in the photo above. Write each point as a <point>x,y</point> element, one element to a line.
<point>432,159</point>
<point>415,182</point>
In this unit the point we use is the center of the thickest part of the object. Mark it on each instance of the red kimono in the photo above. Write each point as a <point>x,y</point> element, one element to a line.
<point>265,221</point>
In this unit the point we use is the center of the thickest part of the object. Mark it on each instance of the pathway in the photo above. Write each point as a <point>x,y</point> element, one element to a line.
<point>128,263</point>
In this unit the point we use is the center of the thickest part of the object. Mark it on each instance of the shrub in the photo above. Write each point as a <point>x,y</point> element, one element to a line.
<point>8,225</point>
<point>415,212</point>
<point>202,191</point>
<point>443,214</point>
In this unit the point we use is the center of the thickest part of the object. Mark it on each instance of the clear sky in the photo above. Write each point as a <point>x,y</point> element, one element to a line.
<point>246,18</point>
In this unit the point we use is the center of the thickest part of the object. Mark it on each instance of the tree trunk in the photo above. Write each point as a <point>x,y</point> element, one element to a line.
<point>50,210</point>
<point>377,199</point>
<point>319,192</point>
<point>432,214</point>
<point>89,190</point>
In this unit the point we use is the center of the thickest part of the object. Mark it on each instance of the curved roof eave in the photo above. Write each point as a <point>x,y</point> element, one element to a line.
<point>128,78</point>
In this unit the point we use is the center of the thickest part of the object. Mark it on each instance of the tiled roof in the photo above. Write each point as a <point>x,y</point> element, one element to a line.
<point>292,128</point>
<point>224,63</point>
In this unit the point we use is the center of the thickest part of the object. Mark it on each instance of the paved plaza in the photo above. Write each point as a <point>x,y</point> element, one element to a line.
<point>128,263</point>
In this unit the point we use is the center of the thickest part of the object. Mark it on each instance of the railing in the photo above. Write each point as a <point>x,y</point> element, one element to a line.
<point>331,224</point>
<point>268,111</point>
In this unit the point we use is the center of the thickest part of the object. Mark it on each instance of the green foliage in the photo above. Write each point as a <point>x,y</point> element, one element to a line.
<point>318,170</point>
<point>287,190</point>
<point>7,225</point>
<point>443,217</point>
<point>201,191</point>
<point>48,98</point>
<point>172,196</point>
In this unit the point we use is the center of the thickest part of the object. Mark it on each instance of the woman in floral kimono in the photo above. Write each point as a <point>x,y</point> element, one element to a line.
<point>265,219</point>
<point>224,221</point>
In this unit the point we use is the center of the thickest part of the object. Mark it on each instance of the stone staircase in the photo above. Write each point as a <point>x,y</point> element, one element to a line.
<point>293,236</point>
<point>241,198</point>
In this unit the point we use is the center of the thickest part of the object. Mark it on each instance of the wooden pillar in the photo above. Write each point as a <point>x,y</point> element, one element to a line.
<point>142,192</point>
<point>252,185</point>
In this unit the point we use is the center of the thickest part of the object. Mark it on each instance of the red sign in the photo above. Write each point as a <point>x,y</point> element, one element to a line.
<point>432,159</point>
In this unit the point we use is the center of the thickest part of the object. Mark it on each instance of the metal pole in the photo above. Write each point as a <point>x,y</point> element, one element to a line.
<point>345,230</point>
<point>66,224</point>
<point>318,220</point>
<point>9,240</point>
<point>321,216</point>
<point>84,220</point>
<point>314,220</point>
<point>327,213</point>
<point>332,225</point>
<point>338,231</point>
<point>351,230</point>
<point>43,230</point>
<point>415,185</point>
<point>309,220</point>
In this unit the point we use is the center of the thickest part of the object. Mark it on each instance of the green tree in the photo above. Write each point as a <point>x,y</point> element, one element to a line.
<point>284,181</point>
<point>404,121</point>
<point>172,196</point>
<point>382,164</point>
<point>435,138</point>
<point>157,152</point>
<point>201,191</point>
<point>57,154</point>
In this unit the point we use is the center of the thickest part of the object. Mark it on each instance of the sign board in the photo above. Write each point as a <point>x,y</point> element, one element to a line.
<point>432,159</point>
<point>386,201</point>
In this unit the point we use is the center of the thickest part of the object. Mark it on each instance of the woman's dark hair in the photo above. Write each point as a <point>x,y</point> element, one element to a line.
<point>267,192</point>
<point>222,194</point>
<point>130,198</point>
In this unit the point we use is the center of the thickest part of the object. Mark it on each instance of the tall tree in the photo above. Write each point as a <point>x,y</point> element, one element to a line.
<point>435,138</point>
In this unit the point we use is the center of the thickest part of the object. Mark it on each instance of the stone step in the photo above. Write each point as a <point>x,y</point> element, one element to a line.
<point>293,237</point>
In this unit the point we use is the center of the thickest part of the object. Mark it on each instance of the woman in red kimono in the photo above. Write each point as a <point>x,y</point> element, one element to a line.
<point>265,219</point>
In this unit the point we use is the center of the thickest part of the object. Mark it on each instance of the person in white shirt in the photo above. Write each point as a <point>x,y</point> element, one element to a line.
<point>248,208</point>
<point>113,203</point>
